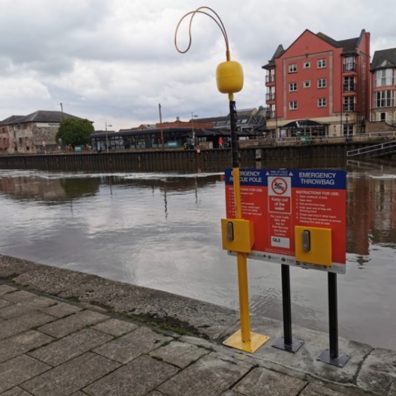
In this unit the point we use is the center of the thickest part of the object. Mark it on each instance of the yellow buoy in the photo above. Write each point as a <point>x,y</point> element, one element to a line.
<point>229,77</point>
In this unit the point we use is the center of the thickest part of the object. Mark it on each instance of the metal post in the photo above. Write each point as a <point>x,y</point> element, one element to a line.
<point>331,355</point>
<point>286,342</point>
<point>234,136</point>
<point>160,120</point>
<point>333,316</point>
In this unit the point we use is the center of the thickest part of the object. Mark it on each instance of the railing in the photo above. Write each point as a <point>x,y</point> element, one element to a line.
<point>376,149</point>
<point>270,96</point>
<point>269,78</point>
<point>318,140</point>
<point>349,87</point>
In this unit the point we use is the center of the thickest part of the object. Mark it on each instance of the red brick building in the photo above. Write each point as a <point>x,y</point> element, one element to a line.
<point>319,86</point>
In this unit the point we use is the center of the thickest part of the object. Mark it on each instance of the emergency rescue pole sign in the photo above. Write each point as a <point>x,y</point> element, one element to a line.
<point>298,218</point>
<point>282,203</point>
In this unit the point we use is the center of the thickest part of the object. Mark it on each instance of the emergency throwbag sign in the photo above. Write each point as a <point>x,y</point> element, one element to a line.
<point>283,202</point>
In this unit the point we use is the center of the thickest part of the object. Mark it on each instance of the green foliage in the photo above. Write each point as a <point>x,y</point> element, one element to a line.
<point>75,131</point>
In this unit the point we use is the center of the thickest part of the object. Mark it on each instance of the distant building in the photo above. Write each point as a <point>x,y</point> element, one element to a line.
<point>319,86</point>
<point>35,132</point>
<point>383,83</point>
<point>206,133</point>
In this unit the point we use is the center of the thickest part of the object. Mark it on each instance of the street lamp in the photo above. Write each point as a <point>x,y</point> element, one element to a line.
<point>229,78</point>
<point>192,129</point>
<point>107,136</point>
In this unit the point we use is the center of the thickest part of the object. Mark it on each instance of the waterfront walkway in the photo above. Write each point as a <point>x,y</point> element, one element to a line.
<point>68,333</point>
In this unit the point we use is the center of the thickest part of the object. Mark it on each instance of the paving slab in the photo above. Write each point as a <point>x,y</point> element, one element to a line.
<point>16,392</point>
<point>61,309</point>
<point>4,289</point>
<point>131,345</point>
<point>70,346</point>
<point>19,296</point>
<point>378,371</point>
<point>77,321</point>
<point>263,382</point>
<point>392,390</point>
<point>20,308</point>
<point>318,389</point>
<point>15,371</point>
<point>22,343</point>
<point>179,353</point>
<point>115,327</point>
<point>22,323</point>
<point>136,378</point>
<point>210,375</point>
<point>4,303</point>
<point>71,376</point>
<point>231,393</point>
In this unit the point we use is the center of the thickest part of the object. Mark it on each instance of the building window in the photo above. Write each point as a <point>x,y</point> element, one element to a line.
<point>321,63</point>
<point>307,65</point>
<point>349,64</point>
<point>384,77</point>
<point>349,84</point>
<point>307,84</point>
<point>385,99</point>
<point>348,129</point>
<point>349,103</point>
<point>292,68</point>
<point>322,83</point>
<point>293,105</point>
<point>293,87</point>
<point>322,102</point>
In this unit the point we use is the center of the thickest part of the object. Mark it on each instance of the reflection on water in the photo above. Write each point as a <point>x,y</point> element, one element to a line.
<point>48,190</point>
<point>162,231</point>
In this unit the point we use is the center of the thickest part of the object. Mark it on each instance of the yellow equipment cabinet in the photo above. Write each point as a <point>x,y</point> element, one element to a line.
<point>313,245</point>
<point>237,235</point>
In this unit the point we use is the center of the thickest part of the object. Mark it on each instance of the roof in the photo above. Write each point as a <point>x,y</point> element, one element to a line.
<point>278,52</point>
<point>348,46</point>
<point>11,120</point>
<point>384,58</point>
<point>38,116</point>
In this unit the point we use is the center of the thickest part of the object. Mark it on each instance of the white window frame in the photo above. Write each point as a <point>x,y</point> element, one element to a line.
<point>385,98</point>
<point>349,63</point>
<point>321,63</point>
<point>307,65</point>
<point>322,102</point>
<point>322,83</point>
<point>307,84</point>
<point>292,68</point>
<point>293,87</point>
<point>293,105</point>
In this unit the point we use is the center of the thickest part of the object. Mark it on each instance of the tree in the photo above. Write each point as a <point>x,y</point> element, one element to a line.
<point>75,131</point>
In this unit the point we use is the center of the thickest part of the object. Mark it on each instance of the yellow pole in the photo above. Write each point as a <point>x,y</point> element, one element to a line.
<point>242,266</point>
<point>243,297</point>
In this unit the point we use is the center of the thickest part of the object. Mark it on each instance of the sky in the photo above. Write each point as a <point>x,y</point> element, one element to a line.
<point>114,61</point>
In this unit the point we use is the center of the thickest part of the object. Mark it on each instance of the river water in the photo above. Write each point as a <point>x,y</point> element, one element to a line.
<point>162,231</point>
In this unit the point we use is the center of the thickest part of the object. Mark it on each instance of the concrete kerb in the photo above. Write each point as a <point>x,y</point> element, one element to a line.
<point>205,325</point>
